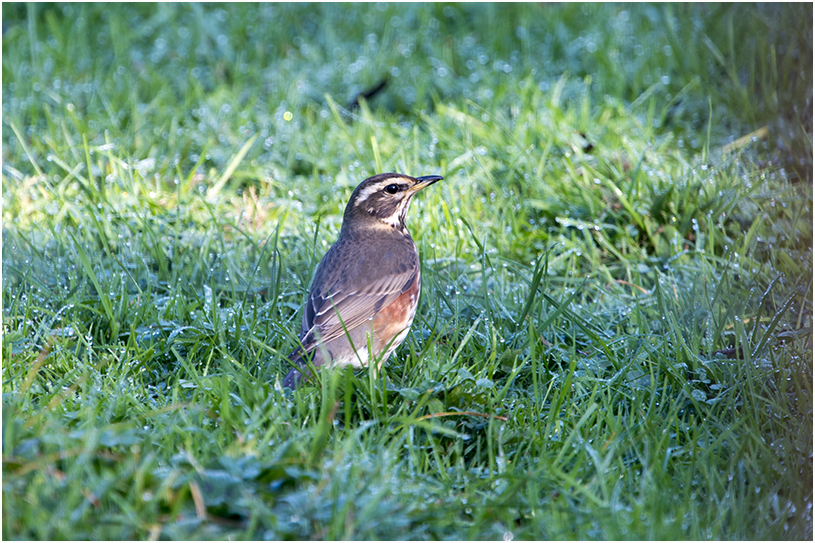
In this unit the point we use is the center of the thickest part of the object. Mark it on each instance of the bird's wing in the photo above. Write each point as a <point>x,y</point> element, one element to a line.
<point>353,300</point>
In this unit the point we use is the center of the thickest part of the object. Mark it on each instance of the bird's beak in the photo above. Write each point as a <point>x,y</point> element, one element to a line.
<point>424,181</point>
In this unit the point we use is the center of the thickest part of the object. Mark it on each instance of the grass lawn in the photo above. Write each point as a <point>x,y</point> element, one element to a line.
<point>615,332</point>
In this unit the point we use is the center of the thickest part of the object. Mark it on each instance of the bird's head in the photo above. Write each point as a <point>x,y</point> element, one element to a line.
<point>383,200</point>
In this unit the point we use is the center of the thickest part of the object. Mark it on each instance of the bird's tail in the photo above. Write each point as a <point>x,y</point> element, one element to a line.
<point>296,374</point>
<point>292,379</point>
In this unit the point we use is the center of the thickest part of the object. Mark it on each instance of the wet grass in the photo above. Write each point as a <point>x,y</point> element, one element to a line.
<point>615,332</point>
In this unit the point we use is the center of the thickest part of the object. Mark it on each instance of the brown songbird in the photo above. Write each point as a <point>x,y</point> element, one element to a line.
<point>366,287</point>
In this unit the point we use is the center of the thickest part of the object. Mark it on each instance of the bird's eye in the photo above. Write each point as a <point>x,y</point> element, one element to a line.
<point>392,189</point>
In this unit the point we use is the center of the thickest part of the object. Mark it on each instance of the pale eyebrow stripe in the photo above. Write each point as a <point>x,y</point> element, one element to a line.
<point>368,191</point>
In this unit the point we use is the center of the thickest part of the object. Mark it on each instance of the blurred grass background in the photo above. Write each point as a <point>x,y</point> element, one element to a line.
<point>615,331</point>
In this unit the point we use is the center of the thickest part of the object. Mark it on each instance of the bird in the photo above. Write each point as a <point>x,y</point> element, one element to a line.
<point>366,287</point>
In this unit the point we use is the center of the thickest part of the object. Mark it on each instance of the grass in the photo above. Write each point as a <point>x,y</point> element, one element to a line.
<point>615,332</point>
